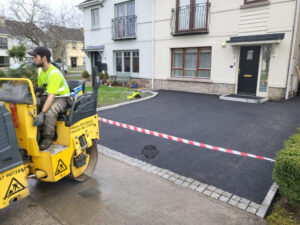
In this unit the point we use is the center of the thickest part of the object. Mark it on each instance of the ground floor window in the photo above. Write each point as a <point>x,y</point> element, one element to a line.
<point>265,65</point>
<point>4,61</point>
<point>191,62</point>
<point>127,61</point>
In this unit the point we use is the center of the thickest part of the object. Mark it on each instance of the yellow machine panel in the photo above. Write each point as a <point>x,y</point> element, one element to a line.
<point>13,185</point>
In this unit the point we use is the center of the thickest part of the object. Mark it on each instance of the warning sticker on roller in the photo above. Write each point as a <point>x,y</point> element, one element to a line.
<point>61,167</point>
<point>14,187</point>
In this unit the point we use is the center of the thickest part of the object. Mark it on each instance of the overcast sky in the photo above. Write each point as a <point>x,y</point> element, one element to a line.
<point>54,4</point>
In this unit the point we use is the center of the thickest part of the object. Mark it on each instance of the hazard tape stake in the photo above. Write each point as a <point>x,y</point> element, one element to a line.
<point>182,140</point>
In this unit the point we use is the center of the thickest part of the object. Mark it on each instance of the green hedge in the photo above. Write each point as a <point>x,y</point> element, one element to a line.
<point>287,169</point>
<point>85,74</point>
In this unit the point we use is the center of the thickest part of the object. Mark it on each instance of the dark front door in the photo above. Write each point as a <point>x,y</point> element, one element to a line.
<point>96,60</point>
<point>248,70</point>
<point>73,62</point>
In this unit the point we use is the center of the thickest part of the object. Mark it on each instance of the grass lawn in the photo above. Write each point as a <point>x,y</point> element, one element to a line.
<point>113,95</point>
<point>73,77</point>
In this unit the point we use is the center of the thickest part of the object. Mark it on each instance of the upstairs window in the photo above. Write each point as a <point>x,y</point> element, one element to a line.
<point>95,18</point>
<point>73,45</point>
<point>191,15</point>
<point>125,20</point>
<point>3,43</point>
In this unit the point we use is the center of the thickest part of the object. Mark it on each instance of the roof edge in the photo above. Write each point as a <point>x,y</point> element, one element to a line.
<point>86,4</point>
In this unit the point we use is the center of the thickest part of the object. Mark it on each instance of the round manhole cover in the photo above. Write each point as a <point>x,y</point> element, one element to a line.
<point>150,151</point>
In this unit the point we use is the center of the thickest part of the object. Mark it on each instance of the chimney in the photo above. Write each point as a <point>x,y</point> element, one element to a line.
<point>2,21</point>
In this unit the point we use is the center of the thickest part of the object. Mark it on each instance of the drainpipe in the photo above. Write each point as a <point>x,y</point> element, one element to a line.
<point>153,36</point>
<point>292,60</point>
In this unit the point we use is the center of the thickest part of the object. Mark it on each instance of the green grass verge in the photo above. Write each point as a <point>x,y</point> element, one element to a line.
<point>74,78</point>
<point>283,213</point>
<point>113,95</point>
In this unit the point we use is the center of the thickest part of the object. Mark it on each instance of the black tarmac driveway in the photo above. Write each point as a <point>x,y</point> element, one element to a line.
<point>252,128</point>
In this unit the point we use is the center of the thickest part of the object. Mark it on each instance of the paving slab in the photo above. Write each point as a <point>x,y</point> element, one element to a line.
<point>119,194</point>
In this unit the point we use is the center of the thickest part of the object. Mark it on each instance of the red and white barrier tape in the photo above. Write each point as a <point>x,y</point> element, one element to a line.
<point>182,140</point>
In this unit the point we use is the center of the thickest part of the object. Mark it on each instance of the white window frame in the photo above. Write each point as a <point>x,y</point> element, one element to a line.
<point>3,46</point>
<point>123,62</point>
<point>95,26</point>
<point>126,5</point>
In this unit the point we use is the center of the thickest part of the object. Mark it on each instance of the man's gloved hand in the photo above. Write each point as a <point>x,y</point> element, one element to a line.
<point>39,119</point>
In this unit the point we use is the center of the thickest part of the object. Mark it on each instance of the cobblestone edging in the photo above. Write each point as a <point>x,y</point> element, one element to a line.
<point>186,182</point>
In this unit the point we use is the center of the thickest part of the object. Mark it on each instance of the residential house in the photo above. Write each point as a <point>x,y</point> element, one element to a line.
<point>75,45</point>
<point>247,47</point>
<point>227,47</point>
<point>8,39</point>
<point>119,34</point>
<point>70,49</point>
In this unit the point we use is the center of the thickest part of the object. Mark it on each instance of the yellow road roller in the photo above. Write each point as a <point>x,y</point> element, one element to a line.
<point>73,153</point>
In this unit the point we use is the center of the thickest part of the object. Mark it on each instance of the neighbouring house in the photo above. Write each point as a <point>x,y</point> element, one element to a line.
<point>73,45</point>
<point>227,47</point>
<point>10,38</point>
<point>120,35</point>
<point>248,47</point>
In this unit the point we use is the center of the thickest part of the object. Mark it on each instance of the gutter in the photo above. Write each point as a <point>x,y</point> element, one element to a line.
<point>81,6</point>
<point>292,59</point>
<point>153,43</point>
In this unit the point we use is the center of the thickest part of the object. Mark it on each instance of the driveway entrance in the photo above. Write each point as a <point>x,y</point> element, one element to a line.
<point>256,129</point>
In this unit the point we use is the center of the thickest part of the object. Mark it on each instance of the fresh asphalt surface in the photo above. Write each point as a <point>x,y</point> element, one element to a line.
<point>253,128</point>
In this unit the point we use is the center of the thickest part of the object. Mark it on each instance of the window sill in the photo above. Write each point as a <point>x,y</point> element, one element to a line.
<point>255,4</point>
<point>200,80</point>
<point>95,28</point>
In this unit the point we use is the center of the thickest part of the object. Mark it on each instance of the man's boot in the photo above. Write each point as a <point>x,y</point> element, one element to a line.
<point>46,143</point>
<point>48,131</point>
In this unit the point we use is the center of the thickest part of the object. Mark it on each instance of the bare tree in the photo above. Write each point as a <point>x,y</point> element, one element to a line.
<point>66,16</point>
<point>36,22</point>
<point>31,15</point>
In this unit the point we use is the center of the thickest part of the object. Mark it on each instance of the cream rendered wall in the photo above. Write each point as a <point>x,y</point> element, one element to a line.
<point>227,19</point>
<point>78,52</point>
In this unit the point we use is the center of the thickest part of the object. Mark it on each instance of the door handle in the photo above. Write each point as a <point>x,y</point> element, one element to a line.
<point>247,75</point>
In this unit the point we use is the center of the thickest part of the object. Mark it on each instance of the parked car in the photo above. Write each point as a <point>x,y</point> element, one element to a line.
<point>19,66</point>
<point>30,65</point>
<point>59,66</point>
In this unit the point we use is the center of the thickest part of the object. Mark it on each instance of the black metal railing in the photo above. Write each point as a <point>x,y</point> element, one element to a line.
<point>124,27</point>
<point>190,19</point>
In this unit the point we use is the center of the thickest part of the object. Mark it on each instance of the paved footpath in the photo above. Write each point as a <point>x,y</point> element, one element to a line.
<point>120,194</point>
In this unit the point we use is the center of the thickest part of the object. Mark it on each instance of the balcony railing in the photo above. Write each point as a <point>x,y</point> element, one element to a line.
<point>124,28</point>
<point>190,19</point>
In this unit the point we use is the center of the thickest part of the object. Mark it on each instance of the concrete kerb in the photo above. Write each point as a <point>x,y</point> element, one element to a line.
<point>263,209</point>
<point>129,102</point>
<point>194,185</point>
<point>235,99</point>
<point>218,194</point>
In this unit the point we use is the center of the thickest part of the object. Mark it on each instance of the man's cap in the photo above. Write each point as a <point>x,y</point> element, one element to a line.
<point>41,50</point>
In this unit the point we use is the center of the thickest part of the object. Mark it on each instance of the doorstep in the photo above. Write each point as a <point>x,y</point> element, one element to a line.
<point>244,98</point>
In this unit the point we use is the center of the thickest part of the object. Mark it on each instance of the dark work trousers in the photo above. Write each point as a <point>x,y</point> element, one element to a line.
<point>59,104</point>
